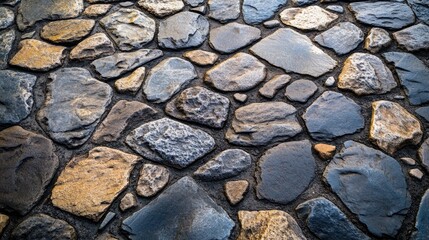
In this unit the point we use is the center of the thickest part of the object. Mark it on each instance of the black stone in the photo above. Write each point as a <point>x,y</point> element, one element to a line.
<point>42,226</point>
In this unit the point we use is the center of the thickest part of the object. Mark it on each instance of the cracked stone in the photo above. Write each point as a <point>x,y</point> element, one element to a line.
<point>270,88</point>
<point>414,38</point>
<point>6,43</point>
<point>200,57</point>
<point>153,178</point>
<point>235,191</point>
<point>131,83</point>
<point>421,9</point>
<point>161,8</point>
<point>42,226</point>
<point>308,18</point>
<point>257,11</point>
<point>342,38</point>
<point>301,90</point>
<point>67,31</point>
<point>93,47</point>
<point>224,10</point>
<point>377,39</point>
<point>233,36</point>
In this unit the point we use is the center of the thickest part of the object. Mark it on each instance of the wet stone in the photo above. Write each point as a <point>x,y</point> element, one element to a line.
<point>4,221</point>
<point>421,9</point>
<point>6,42</point>
<point>372,185</point>
<point>95,46</point>
<point>131,83</point>
<point>423,112</point>
<point>224,10</point>
<point>28,164</point>
<point>200,57</point>
<point>128,201</point>
<point>42,226</point>
<point>301,90</point>
<point>236,190</point>
<point>271,87</point>
<point>325,151</point>
<point>377,39</point>
<point>67,31</point>
<point>182,203</point>
<point>308,18</point>
<point>7,17</point>
<point>414,38</point>
<point>169,142</point>
<point>424,154</point>
<point>200,105</point>
<point>342,38</point>
<point>257,11</point>
<point>325,122</point>
<point>153,178</point>
<point>161,8</point>
<point>233,36</point>
<point>96,10</point>
<point>70,117</point>
<point>422,219</point>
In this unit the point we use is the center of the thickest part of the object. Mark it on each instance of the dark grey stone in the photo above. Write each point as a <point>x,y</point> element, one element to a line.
<point>6,42</point>
<point>301,90</point>
<point>421,9</point>
<point>342,38</point>
<point>233,36</point>
<point>7,17</point>
<point>257,11</point>
<point>224,10</point>
<point>41,226</point>
<point>424,154</point>
<point>414,38</point>
<point>422,219</point>
<point>423,112</point>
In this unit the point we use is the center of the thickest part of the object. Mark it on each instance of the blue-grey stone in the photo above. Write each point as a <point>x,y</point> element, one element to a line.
<point>421,9</point>
<point>422,220</point>
<point>6,42</point>
<point>257,11</point>
<point>423,112</point>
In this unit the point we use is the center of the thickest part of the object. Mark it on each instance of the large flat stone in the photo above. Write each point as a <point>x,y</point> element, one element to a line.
<point>95,46</point>
<point>342,38</point>
<point>161,8</point>
<point>421,9</point>
<point>224,10</point>
<point>257,11</point>
<point>414,38</point>
<point>233,36</point>
<point>67,31</point>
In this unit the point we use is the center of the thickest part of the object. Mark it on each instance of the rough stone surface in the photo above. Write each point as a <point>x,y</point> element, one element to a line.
<point>301,90</point>
<point>308,18</point>
<point>7,17</point>
<point>4,221</point>
<point>240,97</point>
<point>422,219</point>
<point>200,57</point>
<point>414,38</point>
<point>235,191</point>
<point>233,36</point>
<point>224,10</point>
<point>128,201</point>
<point>276,83</point>
<point>131,83</point>
<point>107,219</point>
<point>96,10</point>
<point>6,42</point>
<point>153,178</point>
<point>424,154</point>
<point>416,173</point>
<point>342,38</point>
<point>421,9</point>
<point>42,226</point>
<point>257,11</point>
<point>325,151</point>
<point>194,3</point>
<point>377,39</point>
<point>161,8</point>
<point>95,46</point>
<point>67,31</point>
<point>423,112</point>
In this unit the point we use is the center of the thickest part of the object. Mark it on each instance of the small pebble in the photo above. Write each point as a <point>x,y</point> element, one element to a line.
<point>408,161</point>
<point>235,190</point>
<point>416,173</point>
<point>335,8</point>
<point>399,97</point>
<point>272,24</point>
<point>325,151</point>
<point>240,97</point>
<point>28,35</point>
<point>128,201</point>
<point>330,81</point>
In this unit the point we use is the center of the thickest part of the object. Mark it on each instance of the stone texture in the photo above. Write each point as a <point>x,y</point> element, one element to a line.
<point>270,88</point>
<point>293,52</point>
<point>107,219</point>
<point>42,226</point>
<point>70,117</point>
<point>325,122</point>
<point>257,11</point>
<point>200,57</point>
<point>129,28</point>
<point>377,39</point>
<point>308,18</point>
<point>423,112</point>
<point>301,90</point>
<point>96,10</point>
<point>335,8</point>
<point>416,173</point>
<point>342,38</point>
<point>233,36</point>
<point>424,154</point>
<point>4,221</point>
<point>414,38</point>
<point>224,10</point>
<point>16,96</point>
<point>95,46</point>
<point>37,55</point>
<point>200,105</point>
<point>91,182</point>
<point>28,164</point>
<point>235,191</point>
<point>303,2</point>
<point>7,39</point>
<point>127,202</point>
<point>330,81</point>
<point>268,224</point>
<point>366,74</point>
<point>272,23</point>
<point>161,8</point>
<point>67,31</point>
<point>325,151</point>
<point>131,83</point>
<point>194,3</point>
<point>188,211</point>
<point>240,72</point>
<point>372,185</point>
<point>393,127</point>
<point>153,178</point>
<point>7,17</point>
<point>422,219</point>
<point>240,97</point>
<point>168,78</point>
<point>170,142</point>
<point>408,161</point>
<point>259,124</point>
<point>421,9</point>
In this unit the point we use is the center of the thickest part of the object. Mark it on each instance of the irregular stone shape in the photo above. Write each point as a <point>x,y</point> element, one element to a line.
<point>257,11</point>
<point>377,39</point>
<point>161,8</point>
<point>303,2</point>
<point>423,112</point>
<point>366,74</point>
<point>422,219</point>
<point>335,8</point>
<point>259,124</point>
<point>294,52</point>
<point>170,142</point>
<point>6,43</point>
<point>28,163</point>
<point>235,191</point>
<point>168,78</point>
<point>327,221</point>
<point>152,179</point>
<point>408,161</point>
<point>226,164</point>
<point>129,28</point>
<point>37,55</point>
<point>240,97</point>
<point>201,57</point>
<point>372,185</point>
<point>128,201</point>
<point>342,38</point>
<point>308,18</point>
<point>200,105</point>
<point>91,182</point>
<point>120,63</point>
<point>325,151</point>
<point>224,10</point>
<point>413,74</point>
<point>4,221</point>
<point>391,15</point>
<point>7,17</point>
<point>32,11</point>
<point>96,10</point>
<point>16,96</point>
<point>188,211</point>
<point>70,117</point>
<point>325,122</point>
<point>393,127</point>
<point>41,226</point>
<point>67,31</point>
<point>233,36</point>
<point>272,23</point>
<point>292,164</point>
<point>416,173</point>
<point>201,9</point>
<point>330,81</point>
<point>109,217</point>
<point>183,30</point>
<point>131,83</point>
<point>119,118</point>
<point>194,3</point>
<point>421,9</point>
<point>270,224</point>
<point>301,90</point>
<point>424,154</point>
<point>97,45</point>
<point>271,87</point>
<point>240,72</point>
<point>414,38</point>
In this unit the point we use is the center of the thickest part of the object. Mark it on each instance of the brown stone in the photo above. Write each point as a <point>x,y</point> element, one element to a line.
<point>131,83</point>
<point>200,57</point>
<point>95,46</point>
<point>325,151</point>
<point>97,10</point>
<point>128,201</point>
<point>152,179</point>
<point>67,31</point>
<point>235,190</point>
<point>4,220</point>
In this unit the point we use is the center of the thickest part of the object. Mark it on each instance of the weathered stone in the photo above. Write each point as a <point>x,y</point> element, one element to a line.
<point>95,46</point>
<point>301,90</point>
<point>335,8</point>
<point>120,63</point>
<point>293,52</point>
<point>200,105</point>
<point>106,236</point>
<point>233,36</point>
<point>37,55</point>
<point>342,38</point>
<point>91,182</point>
<point>28,164</point>
<point>16,96</point>
<point>67,31</point>
<point>408,161</point>
<point>6,43</point>
<point>269,224</point>
<point>424,154</point>
<point>291,164</point>
<point>421,9</point>
<point>170,142</point>
<point>330,81</point>
<point>240,97</point>
<point>152,179</point>
<point>194,3</point>
<point>416,173</point>
<point>70,117</point>
<point>127,202</point>
<point>325,151</point>
<point>271,87</point>
<point>107,219</point>
<point>28,35</point>
<point>4,221</point>
<point>414,38</point>
<point>201,57</point>
<point>371,184</point>
<point>393,127</point>
<point>377,39</point>
<point>303,2</point>
<point>260,124</point>
<point>422,219</point>
<point>257,11</point>
<point>240,72</point>
<point>168,78</point>
<point>325,122</point>
<point>97,10</point>
<point>224,10</point>
<point>41,226</point>
<point>7,17</point>
<point>272,23</point>
<point>126,4</point>
<point>327,221</point>
<point>385,14</point>
<point>161,8</point>
<point>129,28</point>
<point>423,112</point>
<point>183,30</point>
<point>366,74</point>
<point>119,118</point>
<point>235,191</point>
<point>188,211</point>
<point>308,18</point>
<point>131,83</point>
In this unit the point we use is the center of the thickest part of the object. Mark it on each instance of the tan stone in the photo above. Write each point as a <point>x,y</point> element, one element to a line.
<point>416,173</point>
<point>97,10</point>
<point>325,151</point>
<point>235,190</point>
<point>308,18</point>
<point>152,179</point>
<point>95,46</point>
<point>162,8</point>
<point>128,201</point>
<point>90,183</point>
<point>4,220</point>
<point>131,83</point>
<point>269,225</point>
<point>200,57</point>
<point>66,31</point>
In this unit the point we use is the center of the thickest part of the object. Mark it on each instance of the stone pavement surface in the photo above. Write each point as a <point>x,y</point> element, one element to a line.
<point>214,119</point>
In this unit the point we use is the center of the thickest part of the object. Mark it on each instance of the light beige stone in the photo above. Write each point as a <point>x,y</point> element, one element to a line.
<point>97,10</point>
<point>4,220</point>
<point>200,57</point>
<point>235,190</point>
<point>308,18</point>
<point>131,83</point>
<point>152,179</point>
<point>416,173</point>
<point>95,46</point>
<point>128,201</point>
<point>67,31</point>
<point>162,8</point>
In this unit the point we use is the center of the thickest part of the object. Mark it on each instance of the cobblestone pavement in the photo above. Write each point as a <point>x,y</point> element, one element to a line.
<point>217,119</point>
